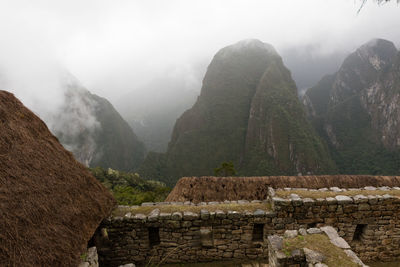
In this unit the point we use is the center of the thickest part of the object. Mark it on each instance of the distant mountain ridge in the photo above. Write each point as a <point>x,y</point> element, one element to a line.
<point>357,110</point>
<point>248,112</point>
<point>90,127</point>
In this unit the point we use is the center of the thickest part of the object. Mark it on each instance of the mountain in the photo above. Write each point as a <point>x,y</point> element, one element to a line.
<point>357,110</point>
<point>248,112</point>
<point>90,127</point>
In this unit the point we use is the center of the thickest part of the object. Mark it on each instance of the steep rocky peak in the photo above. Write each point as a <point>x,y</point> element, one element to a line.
<point>362,68</point>
<point>378,52</point>
<point>238,68</point>
<point>244,46</point>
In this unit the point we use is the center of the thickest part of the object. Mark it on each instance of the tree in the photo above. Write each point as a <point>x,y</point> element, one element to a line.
<point>226,169</point>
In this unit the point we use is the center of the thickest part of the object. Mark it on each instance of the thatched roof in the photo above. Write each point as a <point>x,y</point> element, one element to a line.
<point>50,205</point>
<point>198,189</point>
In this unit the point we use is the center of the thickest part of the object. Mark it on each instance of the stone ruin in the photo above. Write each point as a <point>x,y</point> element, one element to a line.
<point>366,219</point>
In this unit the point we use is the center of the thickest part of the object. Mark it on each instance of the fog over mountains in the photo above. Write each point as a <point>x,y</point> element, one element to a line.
<point>144,62</point>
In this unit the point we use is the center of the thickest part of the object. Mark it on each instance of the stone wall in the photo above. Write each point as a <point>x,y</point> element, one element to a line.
<point>369,223</point>
<point>185,237</point>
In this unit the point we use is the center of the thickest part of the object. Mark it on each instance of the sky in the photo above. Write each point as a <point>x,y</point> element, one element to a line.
<point>118,46</point>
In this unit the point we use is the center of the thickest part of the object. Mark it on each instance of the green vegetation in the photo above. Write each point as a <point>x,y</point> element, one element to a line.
<point>173,208</point>
<point>226,169</point>
<point>129,188</point>
<point>83,256</point>
<point>335,256</point>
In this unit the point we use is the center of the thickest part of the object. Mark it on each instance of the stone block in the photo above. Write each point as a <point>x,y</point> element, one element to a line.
<point>312,231</point>
<point>153,216</point>
<point>313,256</point>
<point>176,216</point>
<point>204,214</point>
<point>147,204</point>
<point>259,213</point>
<point>364,206</point>
<point>343,199</point>
<point>280,201</point>
<point>190,216</point>
<point>290,233</point>
<point>219,214</point>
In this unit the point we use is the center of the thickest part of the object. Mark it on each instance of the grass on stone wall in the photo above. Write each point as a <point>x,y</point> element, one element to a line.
<point>325,194</point>
<point>335,256</point>
<point>120,211</point>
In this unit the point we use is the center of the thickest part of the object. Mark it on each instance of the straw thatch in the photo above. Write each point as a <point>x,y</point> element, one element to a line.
<point>50,205</point>
<point>199,189</point>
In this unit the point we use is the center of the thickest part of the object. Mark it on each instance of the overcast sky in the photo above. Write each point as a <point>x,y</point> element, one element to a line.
<point>117,46</point>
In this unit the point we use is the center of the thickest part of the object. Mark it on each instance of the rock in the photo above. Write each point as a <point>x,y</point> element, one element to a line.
<point>372,188</point>
<point>147,204</point>
<point>340,242</point>
<point>320,265</point>
<point>290,233</point>
<point>176,216</point>
<point>165,215</point>
<point>308,201</point>
<point>353,256</point>
<point>313,256</point>
<point>92,256</point>
<point>128,265</point>
<point>153,216</point>
<point>330,232</point>
<point>259,213</point>
<point>280,201</point>
<point>276,242</point>
<point>204,214</point>
<point>302,231</point>
<point>297,254</point>
<point>335,189</point>
<point>271,192</point>
<point>140,217</point>
<point>384,188</point>
<point>233,214</point>
<point>331,200</point>
<point>312,231</point>
<point>189,216</point>
<point>343,199</point>
<point>360,199</point>
<point>206,237</point>
<point>364,206</point>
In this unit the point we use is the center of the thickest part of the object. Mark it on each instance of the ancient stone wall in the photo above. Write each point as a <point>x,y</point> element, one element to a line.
<point>186,237</point>
<point>369,223</point>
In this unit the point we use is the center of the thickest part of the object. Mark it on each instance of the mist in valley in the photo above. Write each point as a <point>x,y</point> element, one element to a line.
<point>148,59</point>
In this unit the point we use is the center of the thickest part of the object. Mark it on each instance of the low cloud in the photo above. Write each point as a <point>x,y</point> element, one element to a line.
<point>115,47</point>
